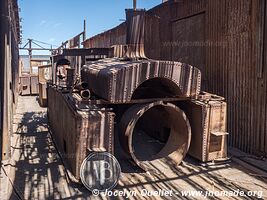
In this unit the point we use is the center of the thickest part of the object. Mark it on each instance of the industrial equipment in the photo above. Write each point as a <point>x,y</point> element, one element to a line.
<point>155,109</point>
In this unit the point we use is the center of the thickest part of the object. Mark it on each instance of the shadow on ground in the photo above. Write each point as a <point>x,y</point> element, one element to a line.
<point>40,174</point>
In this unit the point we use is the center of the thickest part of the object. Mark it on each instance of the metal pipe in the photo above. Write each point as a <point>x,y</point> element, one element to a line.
<point>85,94</point>
<point>82,86</point>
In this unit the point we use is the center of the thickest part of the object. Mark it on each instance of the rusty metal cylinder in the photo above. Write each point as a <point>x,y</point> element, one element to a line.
<point>85,94</point>
<point>156,135</point>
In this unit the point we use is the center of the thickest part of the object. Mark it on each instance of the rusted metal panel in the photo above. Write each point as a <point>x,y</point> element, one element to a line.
<point>86,52</point>
<point>264,78</point>
<point>114,36</point>
<point>189,47</point>
<point>207,116</point>
<point>116,80</point>
<point>78,132</point>
<point>235,76</point>
<point>135,21</point>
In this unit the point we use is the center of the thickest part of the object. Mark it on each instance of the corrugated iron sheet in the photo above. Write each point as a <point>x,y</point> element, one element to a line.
<point>114,36</point>
<point>116,80</point>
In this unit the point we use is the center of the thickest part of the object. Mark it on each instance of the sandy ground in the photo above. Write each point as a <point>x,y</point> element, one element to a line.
<point>36,171</point>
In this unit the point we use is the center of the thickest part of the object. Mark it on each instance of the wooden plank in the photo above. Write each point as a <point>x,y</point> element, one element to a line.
<point>34,85</point>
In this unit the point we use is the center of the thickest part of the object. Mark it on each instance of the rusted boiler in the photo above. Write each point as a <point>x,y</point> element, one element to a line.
<point>145,100</point>
<point>152,110</point>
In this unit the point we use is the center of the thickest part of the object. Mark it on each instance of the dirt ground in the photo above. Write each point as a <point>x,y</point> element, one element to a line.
<point>36,171</point>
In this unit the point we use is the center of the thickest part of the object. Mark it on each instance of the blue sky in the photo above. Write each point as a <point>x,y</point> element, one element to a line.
<point>55,21</point>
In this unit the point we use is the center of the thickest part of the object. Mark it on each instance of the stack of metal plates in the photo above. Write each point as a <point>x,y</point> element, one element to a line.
<point>116,80</point>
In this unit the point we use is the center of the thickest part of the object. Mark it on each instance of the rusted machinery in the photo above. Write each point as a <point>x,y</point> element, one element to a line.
<point>79,131</point>
<point>155,109</point>
<point>119,81</point>
<point>153,101</point>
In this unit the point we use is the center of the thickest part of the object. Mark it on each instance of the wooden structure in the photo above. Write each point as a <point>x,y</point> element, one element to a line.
<point>25,85</point>
<point>28,85</point>
<point>34,85</point>
<point>44,76</point>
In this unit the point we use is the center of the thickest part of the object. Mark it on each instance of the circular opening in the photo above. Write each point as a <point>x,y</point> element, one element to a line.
<point>85,94</point>
<point>158,135</point>
<point>151,133</point>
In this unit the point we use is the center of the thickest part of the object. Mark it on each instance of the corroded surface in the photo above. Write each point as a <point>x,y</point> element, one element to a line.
<point>116,80</point>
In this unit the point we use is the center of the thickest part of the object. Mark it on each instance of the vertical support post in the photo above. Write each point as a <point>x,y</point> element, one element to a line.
<point>30,54</point>
<point>4,83</point>
<point>134,4</point>
<point>2,66</point>
<point>84,31</point>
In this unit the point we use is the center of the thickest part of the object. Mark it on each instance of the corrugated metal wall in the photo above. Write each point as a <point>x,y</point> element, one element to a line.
<point>9,62</point>
<point>234,68</point>
<point>116,35</point>
<point>226,40</point>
